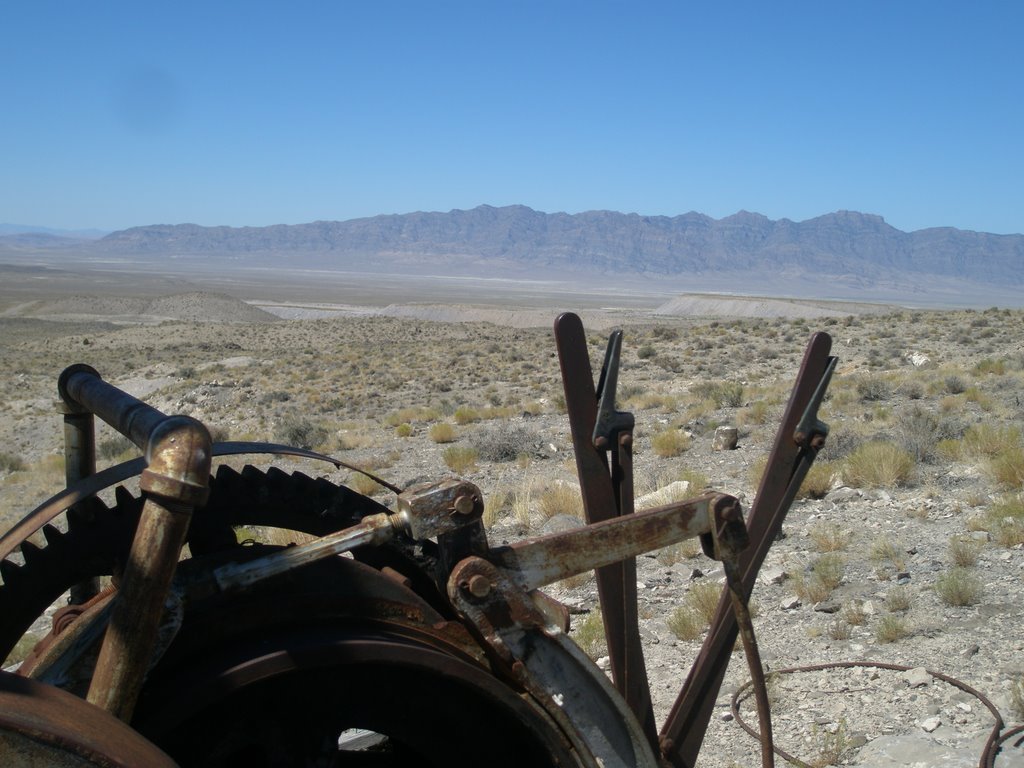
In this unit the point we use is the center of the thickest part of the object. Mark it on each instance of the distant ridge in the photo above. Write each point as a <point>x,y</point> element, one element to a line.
<point>846,244</point>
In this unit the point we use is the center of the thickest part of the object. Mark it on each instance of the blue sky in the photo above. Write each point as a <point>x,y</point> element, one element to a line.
<point>115,114</point>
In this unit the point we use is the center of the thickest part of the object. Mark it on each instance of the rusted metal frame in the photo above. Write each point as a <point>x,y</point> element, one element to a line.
<point>728,540</point>
<point>684,729</point>
<point>176,480</point>
<point>532,563</point>
<point>556,673</point>
<point>616,583</point>
<point>79,463</point>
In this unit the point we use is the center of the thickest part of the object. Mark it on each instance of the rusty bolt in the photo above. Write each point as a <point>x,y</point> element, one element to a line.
<point>626,439</point>
<point>464,505</point>
<point>479,586</point>
<point>600,442</point>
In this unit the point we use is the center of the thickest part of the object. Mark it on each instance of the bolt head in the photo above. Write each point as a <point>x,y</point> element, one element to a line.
<point>464,505</point>
<point>479,586</point>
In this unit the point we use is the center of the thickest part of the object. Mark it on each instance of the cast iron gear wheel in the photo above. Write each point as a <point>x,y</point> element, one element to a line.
<point>99,537</point>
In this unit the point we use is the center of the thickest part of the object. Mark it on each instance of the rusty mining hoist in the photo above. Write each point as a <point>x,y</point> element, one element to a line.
<point>425,645</point>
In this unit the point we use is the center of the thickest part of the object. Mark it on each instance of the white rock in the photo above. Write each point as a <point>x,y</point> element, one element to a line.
<point>917,677</point>
<point>930,724</point>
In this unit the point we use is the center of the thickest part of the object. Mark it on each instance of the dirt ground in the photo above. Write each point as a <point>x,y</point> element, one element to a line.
<point>372,377</point>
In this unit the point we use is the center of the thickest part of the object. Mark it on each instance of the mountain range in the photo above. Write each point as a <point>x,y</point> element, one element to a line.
<point>845,247</point>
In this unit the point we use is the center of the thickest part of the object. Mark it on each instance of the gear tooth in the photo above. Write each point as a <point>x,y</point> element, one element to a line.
<point>122,496</point>
<point>251,475</point>
<point>277,477</point>
<point>54,538</point>
<point>226,474</point>
<point>30,552</point>
<point>9,571</point>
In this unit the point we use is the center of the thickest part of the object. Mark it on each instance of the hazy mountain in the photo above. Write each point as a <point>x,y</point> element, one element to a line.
<point>853,245</point>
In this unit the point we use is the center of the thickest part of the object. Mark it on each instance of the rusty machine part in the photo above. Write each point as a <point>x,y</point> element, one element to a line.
<point>397,635</point>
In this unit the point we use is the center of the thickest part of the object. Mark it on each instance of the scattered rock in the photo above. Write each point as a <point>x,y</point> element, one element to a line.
<point>917,677</point>
<point>929,724</point>
<point>725,439</point>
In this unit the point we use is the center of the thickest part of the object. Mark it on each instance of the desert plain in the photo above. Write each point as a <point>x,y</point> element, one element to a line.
<point>905,546</point>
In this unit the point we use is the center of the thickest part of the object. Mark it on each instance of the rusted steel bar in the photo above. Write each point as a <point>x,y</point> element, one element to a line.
<point>175,482</point>
<point>683,731</point>
<point>616,583</point>
<point>546,559</point>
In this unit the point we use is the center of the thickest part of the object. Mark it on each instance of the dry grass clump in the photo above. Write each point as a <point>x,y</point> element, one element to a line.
<point>690,619</point>
<point>824,575</point>
<point>459,458</point>
<point>404,415</point>
<point>963,552</point>
<point>891,628</point>
<point>829,537</point>
<point>360,483</point>
<point>300,432</point>
<point>560,499</point>
<point>818,481</point>
<point>899,598</point>
<point>687,549</point>
<point>1004,520</point>
<point>853,613</point>
<point>958,587</point>
<point>878,464</point>
<point>442,432</point>
<point>990,440</point>
<point>671,442</point>
<point>465,415</point>
<point>1007,468</point>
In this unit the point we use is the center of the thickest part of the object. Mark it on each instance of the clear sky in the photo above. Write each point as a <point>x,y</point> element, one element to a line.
<point>115,114</point>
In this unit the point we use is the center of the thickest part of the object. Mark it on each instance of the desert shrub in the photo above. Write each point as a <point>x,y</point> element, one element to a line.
<point>671,442</point>
<point>115,446</point>
<point>442,432</point>
<point>878,464</point>
<point>839,444</point>
<point>691,618</point>
<point>898,598</point>
<point>646,351</point>
<point>724,394</point>
<point>503,442</point>
<point>988,366</point>
<point>300,432</point>
<point>459,458</point>
<point>874,388</point>
<point>954,385</point>
<point>11,463</point>
<point>890,629</point>
<point>963,552</point>
<point>958,587</point>
<point>403,430</point>
<point>917,432</point>
<point>818,481</point>
<point>854,614</point>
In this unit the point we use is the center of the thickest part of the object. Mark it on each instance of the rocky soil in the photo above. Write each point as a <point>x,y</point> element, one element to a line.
<point>353,382</point>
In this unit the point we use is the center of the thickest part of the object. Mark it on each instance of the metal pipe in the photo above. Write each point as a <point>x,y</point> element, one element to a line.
<point>79,463</point>
<point>82,389</point>
<point>175,482</point>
